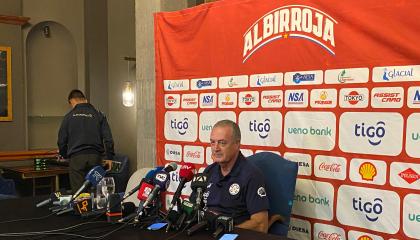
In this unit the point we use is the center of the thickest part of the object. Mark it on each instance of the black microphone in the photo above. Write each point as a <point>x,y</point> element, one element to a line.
<point>92,178</point>
<point>53,197</point>
<point>198,184</point>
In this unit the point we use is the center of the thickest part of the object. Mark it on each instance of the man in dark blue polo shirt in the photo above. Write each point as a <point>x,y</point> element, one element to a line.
<point>84,136</point>
<point>236,187</point>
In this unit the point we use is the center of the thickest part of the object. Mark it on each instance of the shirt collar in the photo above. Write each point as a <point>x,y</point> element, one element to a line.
<point>236,169</point>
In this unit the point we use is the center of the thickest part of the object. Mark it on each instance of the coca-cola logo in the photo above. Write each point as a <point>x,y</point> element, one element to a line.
<point>329,236</point>
<point>195,154</point>
<point>334,167</point>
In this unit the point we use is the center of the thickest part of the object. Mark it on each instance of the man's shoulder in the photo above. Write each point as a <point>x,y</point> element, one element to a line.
<point>210,168</point>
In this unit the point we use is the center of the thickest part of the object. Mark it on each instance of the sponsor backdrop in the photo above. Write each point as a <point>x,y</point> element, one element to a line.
<point>332,85</point>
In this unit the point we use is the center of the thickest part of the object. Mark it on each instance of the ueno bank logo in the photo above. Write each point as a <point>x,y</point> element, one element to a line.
<point>372,210</point>
<point>367,171</point>
<point>311,24</point>
<point>373,133</point>
<point>262,128</point>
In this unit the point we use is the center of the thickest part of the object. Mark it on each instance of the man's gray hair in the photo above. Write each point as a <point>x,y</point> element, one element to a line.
<point>236,132</point>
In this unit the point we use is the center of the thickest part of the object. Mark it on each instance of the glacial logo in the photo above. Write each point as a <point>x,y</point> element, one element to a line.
<point>181,126</point>
<point>298,78</point>
<point>176,85</point>
<point>395,73</point>
<point>371,210</point>
<point>292,21</point>
<point>263,80</point>
<point>263,128</point>
<point>374,133</point>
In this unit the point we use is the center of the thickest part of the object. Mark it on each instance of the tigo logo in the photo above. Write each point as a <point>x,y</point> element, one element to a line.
<point>374,133</point>
<point>263,128</point>
<point>181,126</point>
<point>372,210</point>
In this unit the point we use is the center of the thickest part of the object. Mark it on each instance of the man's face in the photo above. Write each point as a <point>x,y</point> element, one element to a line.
<point>223,147</point>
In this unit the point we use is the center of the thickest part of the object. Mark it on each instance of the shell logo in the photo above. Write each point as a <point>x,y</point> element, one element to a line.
<point>323,95</point>
<point>364,237</point>
<point>367,171</point>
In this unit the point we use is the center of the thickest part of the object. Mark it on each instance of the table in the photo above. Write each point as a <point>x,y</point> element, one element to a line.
<point>28,172</point>
<point>25,208</point>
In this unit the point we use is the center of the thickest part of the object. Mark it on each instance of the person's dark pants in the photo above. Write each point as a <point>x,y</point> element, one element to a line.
<point>79,167</point>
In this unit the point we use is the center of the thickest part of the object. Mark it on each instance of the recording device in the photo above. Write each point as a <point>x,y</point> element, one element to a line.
<point>148,178</point>
<point>114,211</point>
<point>186,174</point>
<point>215,222</point>
<point>53,197</point>
<point>92,179</point>
<point>223,224</point>
<point>83,206</point>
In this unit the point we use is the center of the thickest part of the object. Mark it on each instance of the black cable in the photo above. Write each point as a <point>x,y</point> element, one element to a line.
<point>27,219</point>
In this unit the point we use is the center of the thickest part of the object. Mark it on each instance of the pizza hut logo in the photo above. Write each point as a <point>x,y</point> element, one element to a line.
<point>409,175</point>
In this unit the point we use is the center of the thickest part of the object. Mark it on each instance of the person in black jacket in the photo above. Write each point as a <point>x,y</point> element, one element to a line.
<point>84,136</point>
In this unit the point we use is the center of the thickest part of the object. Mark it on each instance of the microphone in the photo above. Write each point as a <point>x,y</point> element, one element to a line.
<point>53,197</point>
<point>198,184</point>
<point>161,182</point>
<point>186,174</point>
<point>149,177</point>
<point>92,178</point>
<point>142,195</point>
<point>187,210</point>
<point>170,167</point>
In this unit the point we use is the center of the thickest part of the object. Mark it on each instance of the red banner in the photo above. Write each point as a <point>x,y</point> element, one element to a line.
<point>332,85</point>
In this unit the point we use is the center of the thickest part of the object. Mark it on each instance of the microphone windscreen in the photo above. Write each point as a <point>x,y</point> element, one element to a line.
<point>199,181</point>
<point>187,171</point>
<point>83,205</point>
<point>144,191</point>
<point>187,207</point>
<point>95,175</point>
<point>151,174</point>
<point>170,167</point>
